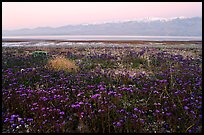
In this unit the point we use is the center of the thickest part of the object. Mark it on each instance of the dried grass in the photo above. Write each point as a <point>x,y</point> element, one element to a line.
<point>61,63</point>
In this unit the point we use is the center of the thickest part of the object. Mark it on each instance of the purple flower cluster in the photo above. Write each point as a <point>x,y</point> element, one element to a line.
<point>161,93</point>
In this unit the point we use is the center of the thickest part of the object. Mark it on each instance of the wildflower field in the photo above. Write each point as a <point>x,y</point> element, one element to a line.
<point>101,90</point>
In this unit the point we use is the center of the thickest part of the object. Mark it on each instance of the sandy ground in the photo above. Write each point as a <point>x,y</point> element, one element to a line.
<point>114,42</point>
<point>101,43</point>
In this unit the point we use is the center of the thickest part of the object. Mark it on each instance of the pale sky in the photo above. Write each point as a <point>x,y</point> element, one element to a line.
<point>17,15</point>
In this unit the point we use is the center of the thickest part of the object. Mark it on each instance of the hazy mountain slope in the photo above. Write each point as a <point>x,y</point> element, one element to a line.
<point>148,27</point>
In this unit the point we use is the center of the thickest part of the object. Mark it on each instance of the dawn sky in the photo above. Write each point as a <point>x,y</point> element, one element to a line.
<point>16,15</point>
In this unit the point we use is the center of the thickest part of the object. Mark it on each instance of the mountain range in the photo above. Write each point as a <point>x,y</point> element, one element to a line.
<point>178,26</point>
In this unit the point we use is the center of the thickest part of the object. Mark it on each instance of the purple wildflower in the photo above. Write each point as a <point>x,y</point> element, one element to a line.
<point>101,110</point>
<point>44,98</point>
<point>22,122</point>
<point>11,120</point>
<point>14,116</point>
<point>81,103</point>
<point>63,123</point>
<point>155,92</point>
<point>30,119</point>
<point>157,111</point>
<point>118,124</point>
<point>168,114</point>
<point>61,113</point>
<point>200,116</point>
<point>185,107</point>
<point>95,96</point>
<point>13,125</point>
<point>134,116</point>
<point>75,106</point>
<point>141,120</point>
<point>136,109</point>
<point>157,104</point>
<point>102,88</point>
<point>6,119</point>
<point>35,104</point>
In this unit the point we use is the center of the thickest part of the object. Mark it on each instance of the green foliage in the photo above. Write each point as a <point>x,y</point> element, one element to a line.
<point>155,61</point>
<point>104,63</point>
<point>135,62</point>
<point>39,53</point>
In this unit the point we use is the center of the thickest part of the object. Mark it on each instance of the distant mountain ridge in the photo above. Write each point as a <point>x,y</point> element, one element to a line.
<point>178,26</point>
